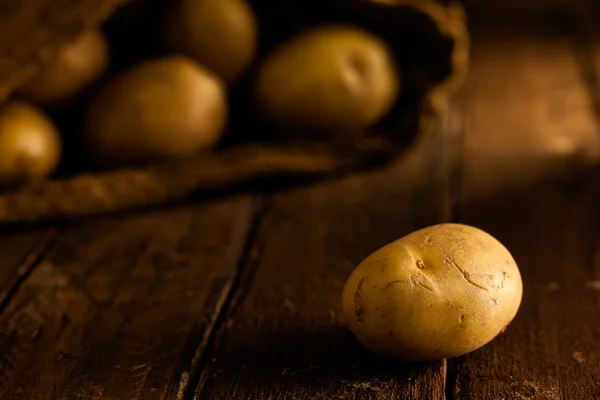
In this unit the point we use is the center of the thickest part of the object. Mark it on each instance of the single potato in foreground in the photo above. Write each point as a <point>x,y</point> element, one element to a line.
<point>439,292</point>
<point>30,144</point>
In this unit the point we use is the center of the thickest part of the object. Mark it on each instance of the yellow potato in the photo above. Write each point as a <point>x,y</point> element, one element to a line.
<point>222,35</point>
<point>158,109</point>
<point>30,144</point>
<point>70,71</point>
<point>439,292</point>
<point>330,78</point>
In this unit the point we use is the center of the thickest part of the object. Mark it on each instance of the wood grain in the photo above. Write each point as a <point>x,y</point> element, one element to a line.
<point>282,338</point>
<point>122,308</point>
<point>531,178</point>
<point>20,253</point>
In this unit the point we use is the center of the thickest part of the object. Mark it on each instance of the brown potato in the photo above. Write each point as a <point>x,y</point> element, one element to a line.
<point>156,110</point>
<point>439,292</point>
<point>69,72</point>
<point>220,34</point>
<point>331,78</point>
<point>30,146</point>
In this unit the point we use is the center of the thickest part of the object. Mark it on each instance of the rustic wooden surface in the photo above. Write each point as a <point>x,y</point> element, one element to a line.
<point>121,308</point>
<point>239,298</point>
<point>282,336</point>
<point>530,178</point>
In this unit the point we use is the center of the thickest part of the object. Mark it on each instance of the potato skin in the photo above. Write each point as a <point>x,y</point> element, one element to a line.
<point>158,109</point>
<point>75,67</point>
<point>330,78</point>
<point>440,292</point>
<point>222,35</point>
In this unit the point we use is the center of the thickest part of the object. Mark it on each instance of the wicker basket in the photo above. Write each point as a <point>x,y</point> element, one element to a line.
<point>429,39</point>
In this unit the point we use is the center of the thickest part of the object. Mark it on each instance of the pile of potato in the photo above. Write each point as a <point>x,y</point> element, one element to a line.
<point>325,79</point>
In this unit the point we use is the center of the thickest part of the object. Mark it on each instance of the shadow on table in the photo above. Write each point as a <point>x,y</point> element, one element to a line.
<point>326,360</point>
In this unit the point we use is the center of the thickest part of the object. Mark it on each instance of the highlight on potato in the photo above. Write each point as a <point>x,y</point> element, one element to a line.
<point>440,292</point>
<point>30,145</point>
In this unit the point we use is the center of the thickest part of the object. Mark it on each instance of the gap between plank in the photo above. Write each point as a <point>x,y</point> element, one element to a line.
<point>28,265</point>
<point>229,300</point>
<point>451,376</point>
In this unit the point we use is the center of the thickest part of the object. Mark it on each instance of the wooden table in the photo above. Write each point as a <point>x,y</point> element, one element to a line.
<point>238,298</point>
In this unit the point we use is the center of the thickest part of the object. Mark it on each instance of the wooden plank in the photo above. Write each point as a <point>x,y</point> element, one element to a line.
<point>282,338</point>
<point>122,308</point>
<point>551,351</point>
<point>19,254</point>
<point>585,40</point>
<point>530,178</point>
<point>530,116</point>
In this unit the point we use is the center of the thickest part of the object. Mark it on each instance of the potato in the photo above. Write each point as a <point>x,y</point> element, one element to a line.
<point>331,78</point>
<point>222,35</point>
<point>30,144</point>
<point>158,109</point>
<point>75,67</point>
<point>440,292</point>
